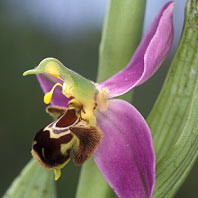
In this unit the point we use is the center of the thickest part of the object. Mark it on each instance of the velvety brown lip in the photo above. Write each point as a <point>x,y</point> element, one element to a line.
<point>48,150</point>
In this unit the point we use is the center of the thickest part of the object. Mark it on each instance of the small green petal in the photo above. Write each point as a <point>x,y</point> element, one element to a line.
<point>80,85</point>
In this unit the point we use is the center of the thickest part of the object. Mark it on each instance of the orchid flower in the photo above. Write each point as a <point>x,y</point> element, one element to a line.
<point>88,119</point>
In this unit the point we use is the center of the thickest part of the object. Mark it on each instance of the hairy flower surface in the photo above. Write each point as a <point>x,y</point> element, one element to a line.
<point>89,121</point>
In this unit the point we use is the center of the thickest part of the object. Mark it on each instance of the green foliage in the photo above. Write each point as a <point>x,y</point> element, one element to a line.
<point>173,120</point>
<point>33,182</point>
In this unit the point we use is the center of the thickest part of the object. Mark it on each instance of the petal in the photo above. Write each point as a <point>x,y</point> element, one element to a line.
<point>126,156</point>
<point>148,56</point>
<point>47,82</point>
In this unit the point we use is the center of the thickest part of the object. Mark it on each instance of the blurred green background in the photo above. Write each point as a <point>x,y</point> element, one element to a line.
<point>25,39</point>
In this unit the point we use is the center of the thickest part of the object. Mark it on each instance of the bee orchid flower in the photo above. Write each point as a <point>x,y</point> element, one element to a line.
<point>88,120</point>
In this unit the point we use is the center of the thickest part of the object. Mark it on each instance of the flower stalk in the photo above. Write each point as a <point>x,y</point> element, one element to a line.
<point>116,49</point>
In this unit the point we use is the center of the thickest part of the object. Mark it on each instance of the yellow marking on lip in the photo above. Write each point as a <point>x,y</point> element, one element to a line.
<point>56,135</point>
<point>65,147</point>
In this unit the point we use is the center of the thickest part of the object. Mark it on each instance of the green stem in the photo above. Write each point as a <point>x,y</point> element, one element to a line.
<point>91,183</point>
<point>121,35</point>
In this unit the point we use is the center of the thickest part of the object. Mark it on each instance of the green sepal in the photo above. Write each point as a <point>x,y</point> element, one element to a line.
<point>33,182</point>
<point>76,85</point>
<point>173,120</point>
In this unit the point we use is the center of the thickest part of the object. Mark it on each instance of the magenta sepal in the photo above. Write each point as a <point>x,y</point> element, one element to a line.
<point>152,50</point>
<point>126,155</point>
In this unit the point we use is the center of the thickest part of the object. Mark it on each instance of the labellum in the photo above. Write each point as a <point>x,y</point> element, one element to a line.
<point>52,144</point>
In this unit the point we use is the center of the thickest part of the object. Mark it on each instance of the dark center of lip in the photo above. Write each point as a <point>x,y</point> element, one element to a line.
<point>48,150</point>
<point>67,119</point>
